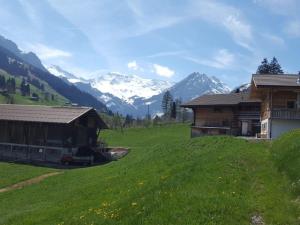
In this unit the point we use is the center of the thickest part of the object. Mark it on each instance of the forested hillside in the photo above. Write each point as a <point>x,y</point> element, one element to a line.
<point>16,67</point>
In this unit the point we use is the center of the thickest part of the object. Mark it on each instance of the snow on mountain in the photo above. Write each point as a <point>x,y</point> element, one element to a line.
<point>194,85</point>
<point>129,87</point>
<point>131,94</point>
<point>242,88</point>
<point>59,72</point>
<point>197,84</point>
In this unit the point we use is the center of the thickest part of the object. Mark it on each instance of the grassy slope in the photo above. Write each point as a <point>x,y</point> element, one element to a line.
<point>166,179</point>
<point>19,99</point>
<point>11,173</point>
<point>286,153</point>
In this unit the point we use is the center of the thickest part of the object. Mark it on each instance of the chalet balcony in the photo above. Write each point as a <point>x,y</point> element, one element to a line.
<point>287,114</point>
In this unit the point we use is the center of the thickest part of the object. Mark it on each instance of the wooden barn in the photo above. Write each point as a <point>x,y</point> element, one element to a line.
<point>43,133</point>
<point>231,114</point>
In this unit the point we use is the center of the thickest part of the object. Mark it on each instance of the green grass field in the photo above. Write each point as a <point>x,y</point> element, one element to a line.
<point>167,178</point>
<point>11,173</point>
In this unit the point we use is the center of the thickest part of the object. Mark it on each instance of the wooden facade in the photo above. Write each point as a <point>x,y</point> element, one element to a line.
<point>47,133</point>
<point>213,115</point>
<point>280,107</point>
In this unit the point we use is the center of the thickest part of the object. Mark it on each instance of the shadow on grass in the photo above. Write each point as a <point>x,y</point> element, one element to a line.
<point>55,165</point>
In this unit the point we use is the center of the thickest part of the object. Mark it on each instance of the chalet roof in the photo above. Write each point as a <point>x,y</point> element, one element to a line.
<point>220,99</point>
<point>286,80</point>
<point>43,114</point>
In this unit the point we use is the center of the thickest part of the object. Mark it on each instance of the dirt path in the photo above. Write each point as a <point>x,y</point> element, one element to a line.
<point>28,182</point>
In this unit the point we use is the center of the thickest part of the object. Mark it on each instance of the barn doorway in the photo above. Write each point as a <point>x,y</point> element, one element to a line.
<point>245,125</point>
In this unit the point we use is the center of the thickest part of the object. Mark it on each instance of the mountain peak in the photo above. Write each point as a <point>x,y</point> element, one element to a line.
<point>129,87</point>
<point>28,57</point>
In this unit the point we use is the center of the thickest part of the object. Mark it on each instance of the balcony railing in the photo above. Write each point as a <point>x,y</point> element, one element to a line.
<point>288,114</point>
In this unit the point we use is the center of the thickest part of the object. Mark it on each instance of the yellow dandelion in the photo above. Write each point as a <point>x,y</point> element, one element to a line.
<point>134,204</point>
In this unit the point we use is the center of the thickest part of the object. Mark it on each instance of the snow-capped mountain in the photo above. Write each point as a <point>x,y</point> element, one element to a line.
<point>59,72</point>
<point>197,84</point>
<point>242,88</point>
<point>194,85</point>
<point>129,87</point>
<point>131,94</point>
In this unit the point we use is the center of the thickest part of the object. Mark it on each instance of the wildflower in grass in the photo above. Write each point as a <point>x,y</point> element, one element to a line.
<point>163,177</point>
<point>105,204</point>
<point>134,204</point>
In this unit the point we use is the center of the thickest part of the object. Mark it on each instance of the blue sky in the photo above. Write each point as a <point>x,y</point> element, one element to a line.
<point>158,39</point>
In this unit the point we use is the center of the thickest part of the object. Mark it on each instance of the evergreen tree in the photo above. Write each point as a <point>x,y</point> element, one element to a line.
<point>11,85</point>
<point>173,110</point>
<point>264,67</point>
<point>2,82</point>
<point>167,104</point>
<point>128,121</point>
<point>275,67</point>
<point>156,120</point>
<point>23,87</point>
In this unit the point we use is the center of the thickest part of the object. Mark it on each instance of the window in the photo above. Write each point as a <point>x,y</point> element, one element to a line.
<point>291,104</point>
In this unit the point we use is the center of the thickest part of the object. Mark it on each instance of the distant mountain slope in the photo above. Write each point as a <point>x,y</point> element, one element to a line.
<point>59,72</point>
<point>16,66</point>
<point>29,57</point>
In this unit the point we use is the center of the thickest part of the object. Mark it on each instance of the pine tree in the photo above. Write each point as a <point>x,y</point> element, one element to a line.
<point>23,87</point>
<point>2,82</point>
<point>173,110</point>
<point>167,103</point>
<point>275,67</point>
<point>128,121</point>
<point>264,67</point>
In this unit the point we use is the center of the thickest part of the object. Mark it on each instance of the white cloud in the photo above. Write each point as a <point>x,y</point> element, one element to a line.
<point>276,40</point>
<point>167,53</point>
<point>46,52</point>
<point>163,70</point>
<point>226,16</point>
<point>133,65</point>
<point>221,60</point>
<point>293,28</point>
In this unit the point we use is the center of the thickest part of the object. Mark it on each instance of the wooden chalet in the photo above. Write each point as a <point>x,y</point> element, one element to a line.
<point>43,133</point>
<point>280,107</point>
<point>232,114</point>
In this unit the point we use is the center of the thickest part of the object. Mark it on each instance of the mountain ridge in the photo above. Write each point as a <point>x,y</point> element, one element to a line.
<point>190,87</point>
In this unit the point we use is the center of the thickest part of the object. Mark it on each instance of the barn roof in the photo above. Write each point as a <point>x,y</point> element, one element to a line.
<point>286,80</point>
<point>43,114</point>
<point>220,99</point>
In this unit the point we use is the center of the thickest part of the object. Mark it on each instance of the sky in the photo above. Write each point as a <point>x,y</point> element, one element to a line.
<point>159,39</point>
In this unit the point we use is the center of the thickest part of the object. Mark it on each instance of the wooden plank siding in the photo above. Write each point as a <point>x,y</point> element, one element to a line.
<point>214,116</point>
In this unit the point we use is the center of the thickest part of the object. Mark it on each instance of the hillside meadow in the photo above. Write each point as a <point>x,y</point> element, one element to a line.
<point>167,178</point>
